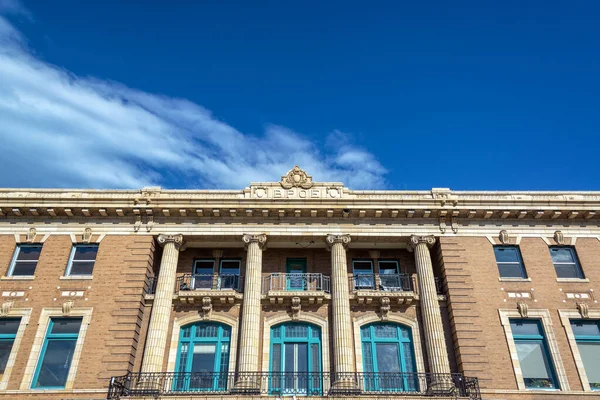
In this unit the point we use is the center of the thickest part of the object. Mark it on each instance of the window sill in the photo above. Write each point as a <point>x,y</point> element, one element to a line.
<point>18,278</point>
<point>77,277</point>
<point>514,279</point>
<point>578,280</point>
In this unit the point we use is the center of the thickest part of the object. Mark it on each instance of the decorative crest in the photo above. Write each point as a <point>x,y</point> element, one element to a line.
<point>584,310</point>
<point>6,307</point>
<point>67,307</point>
<point>207,307</point>
<point>295,308</point>
<point>523,309</point>
<point>296,177</point>
<point>87,235</point>
<point>384,308</point>
<point>559,237</point>
<point>503,237</point>
<point>31,235</point>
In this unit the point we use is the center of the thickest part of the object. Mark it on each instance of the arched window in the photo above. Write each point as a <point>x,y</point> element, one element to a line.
<point>296,359</point>
<point>203,357</point>
<point>388,358</point>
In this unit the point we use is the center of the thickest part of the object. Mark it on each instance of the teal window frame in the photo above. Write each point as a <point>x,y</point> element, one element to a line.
<point>74,248</point>
<point>575,263</point>
<point>278,334</point>
<point>294,283</point>
<point>188,337</point>
<point>409,381</point>
<point>365,282</point>
<point>519,262</point>
<point>9,338</point>
<point>15,258</point>
<point>588,339</point>
<point>54,337</point>
<point>205,279</point>
<point>229,280</point>
<point>536,339</point>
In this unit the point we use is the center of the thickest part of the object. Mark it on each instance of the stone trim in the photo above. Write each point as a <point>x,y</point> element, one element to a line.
<point>214,317</point>
<point>565,319</point>
<point>38,342</point>
<point>412,323</point>
<point>24,314</point>
<point>302,317</point>
<point>544,316</point>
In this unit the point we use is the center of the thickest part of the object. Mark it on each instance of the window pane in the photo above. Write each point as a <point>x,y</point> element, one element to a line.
<point>29,253</point>
<point>562,254</point>
<point>204,267</point>
<point>230,267</point>
<point>204,358</point>
<point>520,327</point>
<point>586,328</point>
<point>388,267</point>
<point>506,254</point>
<point>296,331</point>
<point>87,253</point>
<point>590,354</point>
<point>5,347</point>
<point>386,331</point>
<point>24,268</point>
<point>82,267</point>
<point>365,332</point>
<point>276,358</point>
<point>510,270</point>
<point>66,325</point>
<point>55,365</point>
<point>207,331</point>
<point>363,267</point>
<point>567,271</point>
<point>9,326</point>
<point>534,365</point>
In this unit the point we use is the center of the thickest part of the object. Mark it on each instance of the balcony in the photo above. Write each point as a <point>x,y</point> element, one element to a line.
<point>139,385</point>
<point>401,288</point>
<point>192,287</point>
<point>313,287</point>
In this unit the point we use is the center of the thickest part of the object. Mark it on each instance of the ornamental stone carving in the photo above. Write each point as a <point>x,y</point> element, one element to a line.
<point>67,307</point>
<point>295,308</point>
<point>31,235</point>
<point>416,240</point>
<point>333,239</point>
<point>584,310</point>
<point>206,307</point>
<point>559,237</point>
<point>260,238</point>
<point>6,307</point>
<point>523,309</point>
<point>503,237</point>
<point>296,177</point>
<point>176,239</point>
<point>87,235</point>
<point>384,308</point>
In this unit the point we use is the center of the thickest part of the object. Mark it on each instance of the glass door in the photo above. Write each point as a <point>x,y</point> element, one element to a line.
<point>363,274</point>
<point>295,268</point>
<point>229,276</point>
<point>295,368</point>
<point>203,274</point>
<point>389,276</point>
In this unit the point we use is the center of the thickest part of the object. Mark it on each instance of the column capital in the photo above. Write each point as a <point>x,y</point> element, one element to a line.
<point>260,238</point>
<point>332,239</point>
<point>177,239</point>
<point>416,240</point>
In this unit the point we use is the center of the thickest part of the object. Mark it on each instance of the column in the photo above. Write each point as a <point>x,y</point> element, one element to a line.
<point>250,330</point>
<point>343,348</point>
<point>433,330</point>
<point>160,320</point>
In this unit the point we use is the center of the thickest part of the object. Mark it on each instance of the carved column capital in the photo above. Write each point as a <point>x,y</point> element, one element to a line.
<point>333,239</point>
<point>416,240</point>
<point>260,238</point>
<point>177,239</point>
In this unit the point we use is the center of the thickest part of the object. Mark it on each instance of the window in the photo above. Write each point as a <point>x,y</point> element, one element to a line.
<point>565,262</point>
<point>587,336</point>
<point>363,274</point>
<point>229,278</point>
<point>57,353</point>
<point>389,275</point>
<point>510,263</point>
<point>8,333</point>
<point>82,259</point>
<point>25,260</point>
<point>532,350</point>
<point>203,358</point>
<point>203,274</point>
<point>295,360</point>
<point>388,358</point>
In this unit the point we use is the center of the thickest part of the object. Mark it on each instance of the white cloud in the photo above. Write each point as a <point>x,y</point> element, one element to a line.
<point>62,130</point>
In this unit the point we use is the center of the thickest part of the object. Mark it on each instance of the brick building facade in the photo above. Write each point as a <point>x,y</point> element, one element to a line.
<point>298,288</point>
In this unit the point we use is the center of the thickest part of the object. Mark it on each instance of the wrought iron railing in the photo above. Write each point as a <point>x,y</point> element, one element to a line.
<point>208,282</point>
<point>135,385</point>
<point>293,282</point>
<point>382,282</point>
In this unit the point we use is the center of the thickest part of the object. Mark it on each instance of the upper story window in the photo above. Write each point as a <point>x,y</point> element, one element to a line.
<point>229,274</point>
<point>587,336</point>
<point>565,262</point>
<point>510,263</point>
<point>82,259</point>
<point>8,333</point>
<point>532,349</point>
<point>25,260</point>
<point>363,274</point>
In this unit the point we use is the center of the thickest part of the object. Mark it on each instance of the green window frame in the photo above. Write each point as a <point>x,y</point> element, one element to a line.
<point>288,339</point>
<point>197,338</point>
<point>55,359</point>
<point>25,259</point>
<point>536,362</point>
<point>587,336</point>
<point>295,280</point>
<point>376,339</point>
<point>8,333</point>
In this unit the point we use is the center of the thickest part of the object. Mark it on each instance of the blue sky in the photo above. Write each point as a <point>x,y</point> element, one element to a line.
<point>482,95</point>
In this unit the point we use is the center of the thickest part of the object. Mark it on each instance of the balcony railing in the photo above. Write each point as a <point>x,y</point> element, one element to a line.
<point>382,282</point>
<point>296,282</point>
<point>155,385</point>
<point>208,282</point>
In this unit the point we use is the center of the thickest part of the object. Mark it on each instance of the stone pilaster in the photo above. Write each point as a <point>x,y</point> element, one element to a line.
<point>433,330</point>
<point>156,341</point>
<point>250,330</point>
<point>343,347</point>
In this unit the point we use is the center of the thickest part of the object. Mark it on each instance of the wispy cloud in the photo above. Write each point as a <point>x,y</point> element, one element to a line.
<point>61,130</point>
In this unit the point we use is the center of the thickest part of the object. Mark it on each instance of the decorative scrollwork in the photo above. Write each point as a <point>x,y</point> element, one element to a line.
<point>176,239</point>
<point>31,235</point>
<point>503,237</point>
<point>260,238</point>
<point>384,308</point>
<point>333,239</point>
<point>523,309</point>
<point>207,307</point>
<point>87,235</point>
<point>417,240</point>
<point>559,237</point>
<point>296,177</point>
<point>295,308</point>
